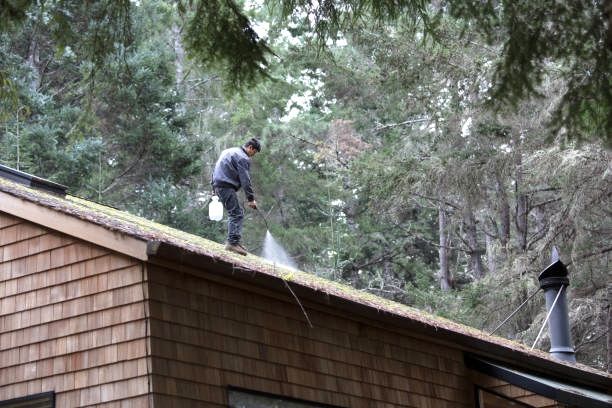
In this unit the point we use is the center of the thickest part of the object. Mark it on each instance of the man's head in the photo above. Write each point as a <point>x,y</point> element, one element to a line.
<point>252,146</point>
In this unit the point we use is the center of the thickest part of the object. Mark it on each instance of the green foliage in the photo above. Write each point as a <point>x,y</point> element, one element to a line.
<point>93,29</point>
<point>536,38</point>
<point>12,12</point>
<point>141,115</point>
<point>107,140</point>
<point>219,35</point>
<point>558,39</point>
<point>330,18</point>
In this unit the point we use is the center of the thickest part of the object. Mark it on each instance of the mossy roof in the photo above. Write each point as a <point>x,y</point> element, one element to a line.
<point>149,231</point>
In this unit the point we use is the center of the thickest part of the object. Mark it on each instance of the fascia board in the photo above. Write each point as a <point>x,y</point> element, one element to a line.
<point>73,226</point>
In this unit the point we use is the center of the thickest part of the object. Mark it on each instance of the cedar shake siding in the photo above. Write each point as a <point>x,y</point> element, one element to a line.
<point>493,386</point>
<point>209,334</point>
<point>72,319</point>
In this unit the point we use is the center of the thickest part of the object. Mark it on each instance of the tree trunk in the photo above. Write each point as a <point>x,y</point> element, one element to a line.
<point>179,63</point>
<point>522,210</point>
<point>491,264</point>
<point>541,225</point>
<point>444,272</point>
<point>471,237</point>
<point>34,62</point>
<point>503,212</point>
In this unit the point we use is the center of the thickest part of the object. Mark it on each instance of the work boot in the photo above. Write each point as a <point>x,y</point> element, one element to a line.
<point>237,248</point>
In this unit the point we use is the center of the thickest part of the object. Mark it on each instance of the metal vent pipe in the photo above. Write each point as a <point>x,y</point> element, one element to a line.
<point>553,280</point>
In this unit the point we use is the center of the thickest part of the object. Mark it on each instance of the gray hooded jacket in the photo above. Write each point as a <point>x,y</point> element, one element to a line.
<point>232,170</point>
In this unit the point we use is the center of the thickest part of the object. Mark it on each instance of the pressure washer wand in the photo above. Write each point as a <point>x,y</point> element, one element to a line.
<point>263,216</point>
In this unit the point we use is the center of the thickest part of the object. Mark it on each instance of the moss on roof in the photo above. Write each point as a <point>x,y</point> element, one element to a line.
<point>146,230</point>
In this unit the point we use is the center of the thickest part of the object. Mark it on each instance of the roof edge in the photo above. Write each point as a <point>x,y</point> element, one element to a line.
<point>560,391</point>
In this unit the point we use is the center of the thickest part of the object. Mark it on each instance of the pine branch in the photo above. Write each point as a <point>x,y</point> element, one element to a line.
<point>392,125</point>
<point>437,200</point>
<point>544,203</point>
<point>591,254</point>
<point>593,340</point>
<point>387,256</point>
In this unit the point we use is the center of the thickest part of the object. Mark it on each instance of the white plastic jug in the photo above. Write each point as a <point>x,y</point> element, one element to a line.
<point>215,209</point>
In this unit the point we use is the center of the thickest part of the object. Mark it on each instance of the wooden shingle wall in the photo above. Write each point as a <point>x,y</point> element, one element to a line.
<point>72,320</point>
<point>512,391</point>
<point>208,334</point>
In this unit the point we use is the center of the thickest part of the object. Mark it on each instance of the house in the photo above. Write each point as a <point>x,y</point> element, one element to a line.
<point>102,308</point>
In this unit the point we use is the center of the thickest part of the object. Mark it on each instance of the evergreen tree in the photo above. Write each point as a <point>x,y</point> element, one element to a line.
<point>218,33</point>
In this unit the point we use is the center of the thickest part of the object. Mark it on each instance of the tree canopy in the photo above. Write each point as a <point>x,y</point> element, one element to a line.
<point>570,43</point>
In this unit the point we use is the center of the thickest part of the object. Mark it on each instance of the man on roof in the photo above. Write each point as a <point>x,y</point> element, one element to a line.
<point>232,172</point>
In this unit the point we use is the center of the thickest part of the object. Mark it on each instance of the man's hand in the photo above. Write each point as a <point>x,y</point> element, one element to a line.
<point>252,204</point>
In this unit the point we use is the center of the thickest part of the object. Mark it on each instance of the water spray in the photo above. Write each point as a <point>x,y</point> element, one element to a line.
<point>272,250</point>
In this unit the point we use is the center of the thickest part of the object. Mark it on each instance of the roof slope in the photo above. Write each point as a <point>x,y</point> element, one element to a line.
<point>151,232</point>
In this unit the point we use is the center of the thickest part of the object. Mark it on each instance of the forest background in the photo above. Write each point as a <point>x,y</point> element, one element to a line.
<point>432,153</point>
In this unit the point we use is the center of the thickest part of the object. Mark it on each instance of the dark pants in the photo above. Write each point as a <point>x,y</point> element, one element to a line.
<point>229,198</point>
